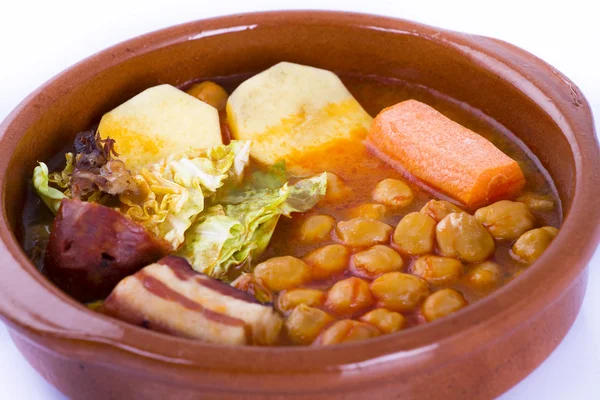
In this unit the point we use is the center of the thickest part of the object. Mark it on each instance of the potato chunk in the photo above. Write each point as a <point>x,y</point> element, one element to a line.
<point>158,122</point>
<point>292,108</point>
<point>170,297</point>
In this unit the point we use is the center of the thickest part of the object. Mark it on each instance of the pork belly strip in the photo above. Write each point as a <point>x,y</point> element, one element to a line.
<point>168,296</point>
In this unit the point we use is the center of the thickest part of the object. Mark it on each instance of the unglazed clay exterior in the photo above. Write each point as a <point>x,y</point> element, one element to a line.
<point>477,353</point>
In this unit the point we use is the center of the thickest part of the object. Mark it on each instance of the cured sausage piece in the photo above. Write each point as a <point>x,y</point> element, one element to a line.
<point>92,247</point>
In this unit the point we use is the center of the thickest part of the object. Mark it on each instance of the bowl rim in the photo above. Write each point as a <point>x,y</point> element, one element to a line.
<point>529,293</point>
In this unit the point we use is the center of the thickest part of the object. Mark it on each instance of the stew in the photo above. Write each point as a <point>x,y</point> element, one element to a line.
<point>275,210</point>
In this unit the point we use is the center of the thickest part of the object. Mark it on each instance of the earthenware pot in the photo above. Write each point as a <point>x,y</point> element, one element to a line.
<point>478,352</point>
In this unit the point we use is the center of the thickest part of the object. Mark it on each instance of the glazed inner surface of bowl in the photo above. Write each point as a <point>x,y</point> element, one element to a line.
<point>443,62</point>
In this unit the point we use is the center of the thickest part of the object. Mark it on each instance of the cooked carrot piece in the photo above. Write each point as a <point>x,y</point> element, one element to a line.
<point>445,155</point>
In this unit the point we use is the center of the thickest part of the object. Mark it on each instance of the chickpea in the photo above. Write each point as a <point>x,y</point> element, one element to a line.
<point>399,292</point>
<point>537,202</point>
<point>347,330</point>
<point>438,270</point>
<point>442,303</point>
<point>210,93</point>
<point>337,190</point>
<point>328,260</point>
<point>506,219</point>
<point>362,232</point>
<point>280,273</point>
<point>438,209</point>
<point>250,284</point>
<point>415,233</point>
<point>385,320</point>
<point>375,261</point>
<point>393,193</point>
<point>462,235</point>
<point>316,228</point>
<point>368,210</point>
<point>349,296</point>
<point>305,324</point>
<point>530,246</point>
<point>483,276</point>
<point>289,299</point>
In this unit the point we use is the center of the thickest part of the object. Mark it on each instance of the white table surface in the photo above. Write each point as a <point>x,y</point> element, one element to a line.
<point>39,39</point>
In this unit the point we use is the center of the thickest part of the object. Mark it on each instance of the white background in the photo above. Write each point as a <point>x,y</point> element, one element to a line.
<point>40,39</point>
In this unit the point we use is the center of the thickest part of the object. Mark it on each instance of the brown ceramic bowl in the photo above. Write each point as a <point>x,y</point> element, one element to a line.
<point>479,352</point>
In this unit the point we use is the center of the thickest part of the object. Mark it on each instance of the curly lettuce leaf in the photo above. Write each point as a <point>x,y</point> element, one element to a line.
<point>63,178</point>
<point>171,194</point>
<point>49,195</point>
<point>240,228</point>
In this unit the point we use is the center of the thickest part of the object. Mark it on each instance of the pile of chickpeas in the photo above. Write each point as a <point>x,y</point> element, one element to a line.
<point>380,275</point>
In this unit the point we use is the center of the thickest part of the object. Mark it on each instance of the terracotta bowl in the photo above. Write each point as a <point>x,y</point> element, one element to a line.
<point>478,352</point>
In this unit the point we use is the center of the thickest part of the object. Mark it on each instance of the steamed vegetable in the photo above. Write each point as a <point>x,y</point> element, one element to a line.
<point>171,193</point>
<point>63,178</point>
<point>96,169</point>
<point>290,109</point>
<point>49,195</point>
<point>91,174</point>
<point>160,122</point>
<point>445,155</point>
<point>238,230</point>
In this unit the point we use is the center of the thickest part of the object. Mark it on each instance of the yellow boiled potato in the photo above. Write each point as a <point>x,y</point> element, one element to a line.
<point>158,122</point>
<point>290,109</point>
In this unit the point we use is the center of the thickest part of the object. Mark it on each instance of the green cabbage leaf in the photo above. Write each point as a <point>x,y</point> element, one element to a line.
<point>237,230</point>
